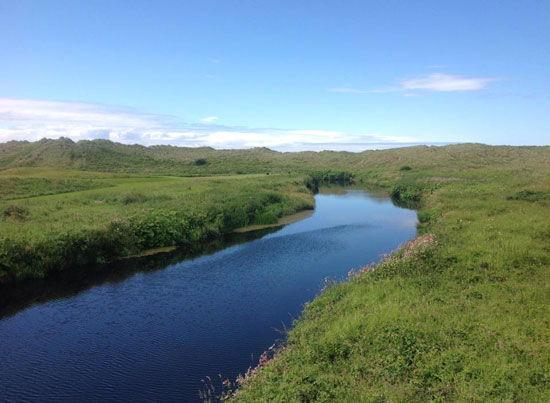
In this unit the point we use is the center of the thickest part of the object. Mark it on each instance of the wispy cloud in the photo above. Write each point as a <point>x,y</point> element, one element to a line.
<point>446,82</point>
<point>437,82</point>
<point>28,119</point>
<point>209,119</point>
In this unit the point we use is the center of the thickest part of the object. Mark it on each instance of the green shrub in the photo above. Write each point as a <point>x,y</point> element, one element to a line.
<point>427,218</point>
<point>133,197</point>
<point>407,194</point>
<point>266,217</point>
<point>530,195</point>
<point>16,212</point>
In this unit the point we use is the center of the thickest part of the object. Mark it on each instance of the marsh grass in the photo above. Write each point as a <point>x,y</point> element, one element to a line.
<point>465,319</point>
<point>55,232</point>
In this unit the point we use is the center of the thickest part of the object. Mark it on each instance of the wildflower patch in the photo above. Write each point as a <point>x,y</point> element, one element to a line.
<point>412,250</point>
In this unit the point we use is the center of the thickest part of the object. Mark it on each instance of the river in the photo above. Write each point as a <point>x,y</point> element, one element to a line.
<point>155,334</point>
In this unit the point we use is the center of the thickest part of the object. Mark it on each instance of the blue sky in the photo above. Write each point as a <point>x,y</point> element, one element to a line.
<point>289,75</point>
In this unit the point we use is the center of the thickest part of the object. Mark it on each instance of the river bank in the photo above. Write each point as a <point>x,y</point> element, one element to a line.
<point>464,319</point>
<point>166,328</point>
<point>53,233</point>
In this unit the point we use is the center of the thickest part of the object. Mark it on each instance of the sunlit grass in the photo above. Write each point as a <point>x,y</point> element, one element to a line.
<point>468,321</point>
<point>147,211</point>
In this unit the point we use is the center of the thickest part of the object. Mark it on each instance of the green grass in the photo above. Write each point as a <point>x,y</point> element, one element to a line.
<point>465,319</point>
<point>20,183</point>
<point>118,216</point>
<point>106,156</point>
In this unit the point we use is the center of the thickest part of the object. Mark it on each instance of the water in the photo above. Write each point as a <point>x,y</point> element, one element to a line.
<point>155,334</point>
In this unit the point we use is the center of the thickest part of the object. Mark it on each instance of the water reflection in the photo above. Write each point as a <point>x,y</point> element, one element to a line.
<point>71,283</point>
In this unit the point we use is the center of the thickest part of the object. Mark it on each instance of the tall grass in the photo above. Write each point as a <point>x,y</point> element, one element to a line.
<point>39,235</point>
<point>465,319</point>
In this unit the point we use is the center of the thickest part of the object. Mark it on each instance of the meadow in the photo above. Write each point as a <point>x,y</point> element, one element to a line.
<point>461,313</point>
<point>55,220</point>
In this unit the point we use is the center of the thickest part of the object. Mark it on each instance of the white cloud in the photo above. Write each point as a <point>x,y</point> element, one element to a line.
<point>446,82</point>
<point>28,119</point>
<point>431,82</point>
<point>209,119</point>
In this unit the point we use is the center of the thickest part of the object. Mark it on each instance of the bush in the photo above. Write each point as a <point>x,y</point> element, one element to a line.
<point>16,212</point>
<point>133,197</point>
<point>407,194</point>
<point>267,217</point>
<point>151,222</point>
<point>530,195</point>
<point>427,218</point>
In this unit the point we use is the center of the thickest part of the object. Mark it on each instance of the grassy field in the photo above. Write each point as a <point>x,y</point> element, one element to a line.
<point>56,219</point>
<point>461,313</point>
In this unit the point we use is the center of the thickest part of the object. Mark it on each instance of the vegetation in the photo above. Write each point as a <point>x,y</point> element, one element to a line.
<point>121,216</point>
<point>461,313</point>
<point>106,156</point>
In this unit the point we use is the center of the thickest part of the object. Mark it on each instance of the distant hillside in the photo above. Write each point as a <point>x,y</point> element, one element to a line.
<point>105,155</point>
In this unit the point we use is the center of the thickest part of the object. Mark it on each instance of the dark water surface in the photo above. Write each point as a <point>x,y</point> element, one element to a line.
<point>155,334</point>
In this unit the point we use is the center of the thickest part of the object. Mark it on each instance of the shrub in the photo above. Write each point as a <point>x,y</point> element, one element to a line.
<point>16,212</point>
<point>267,217</point>
<point>426,218</point>
<point>133,197</point>
<point>407,194</point>
<point>530,195</point>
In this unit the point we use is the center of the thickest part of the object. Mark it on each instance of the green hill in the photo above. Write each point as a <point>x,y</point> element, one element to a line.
<point>107,156</point>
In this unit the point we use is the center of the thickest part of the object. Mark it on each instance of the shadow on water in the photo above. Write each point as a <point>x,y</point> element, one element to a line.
<point>70,283</point>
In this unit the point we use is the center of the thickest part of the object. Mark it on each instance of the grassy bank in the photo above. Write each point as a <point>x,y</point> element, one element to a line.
<point>460,314</point>
<point>55,220</point>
